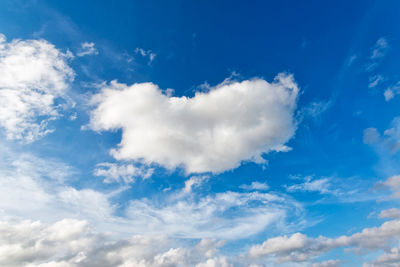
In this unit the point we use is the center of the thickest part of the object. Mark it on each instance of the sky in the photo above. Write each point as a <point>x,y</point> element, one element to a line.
<point>199,133</point>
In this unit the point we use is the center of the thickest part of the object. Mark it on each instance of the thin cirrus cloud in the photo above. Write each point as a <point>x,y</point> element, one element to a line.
<point>378,51</point>
<point>28,191</point>
<point>34,75</point>
<point>212,131</point>
<point>121,173</point>
<point>87,49</point>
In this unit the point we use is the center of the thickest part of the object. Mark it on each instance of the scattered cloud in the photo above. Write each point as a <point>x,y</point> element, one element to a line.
<point>200,133</point>
<point>146,53</point>
<point>371,136</point>
<point>87,49</point>
<point>389,259</point>
<point>375,80</point>
<point>393,184</point>
<point>36,189</point>
<point>34,78</point>
<point>378,51</point>
<point>380,48</point>
<point>321,186</point>
<point>392,91</point>
<point>299,247</point>
<point>315,109</point>
<point>390,213</point>
<point>194,181</point>
<point>72,243</point>
<point>121,173</point>
<point>328,263</point>
<point>351,60</point>
<point>255,186</point>
<point>389,142</point>
<point>226,215</point>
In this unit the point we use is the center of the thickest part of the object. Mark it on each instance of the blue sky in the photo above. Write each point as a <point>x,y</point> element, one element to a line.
<point>199,133</point>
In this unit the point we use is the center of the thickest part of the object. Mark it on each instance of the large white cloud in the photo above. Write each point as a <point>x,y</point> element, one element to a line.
<point>213,131</point>
<point>34,75</point>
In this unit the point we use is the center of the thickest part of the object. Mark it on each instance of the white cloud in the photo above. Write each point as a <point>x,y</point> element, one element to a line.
<point>392,91</point>
<point>36,189</point>
<point>87,49</point>
<point>34,76</point>
<point>389,142</point>
<point>146,53</point>
<point>390,213</point>
<point>299,247</point>
<point>314,109</point>
<point>388,94</point>
<point>211,132</point>
<point>393,183</point>
<point>255,186</point>
<point>378,51</point>
<point>321,186</point>
<point>380,48</point>
<point>389,259</point>
<point>194,181</point>
<point>121,173</point>
<point>328,263</point>
<point>371,136</point>
<point>72,243</point>
<point>375,80</point>
<point>227,215</point>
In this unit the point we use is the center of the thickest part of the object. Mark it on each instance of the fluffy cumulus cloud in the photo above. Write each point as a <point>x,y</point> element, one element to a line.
<point>299,247</point>
<point>389,259</point>
<point>34,80</point>
<point>213,131</point>
<point>72,243</point>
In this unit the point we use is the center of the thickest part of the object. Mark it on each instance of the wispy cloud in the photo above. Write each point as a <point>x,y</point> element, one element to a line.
<point>321,186</point>
<point>378,51</point>
<point>87,49</point>
<point>146,53</point>
<point>255,186</point>
<point>122,173</point>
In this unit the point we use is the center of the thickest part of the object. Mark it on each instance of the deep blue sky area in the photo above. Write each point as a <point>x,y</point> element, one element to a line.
<point>217,133</point>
